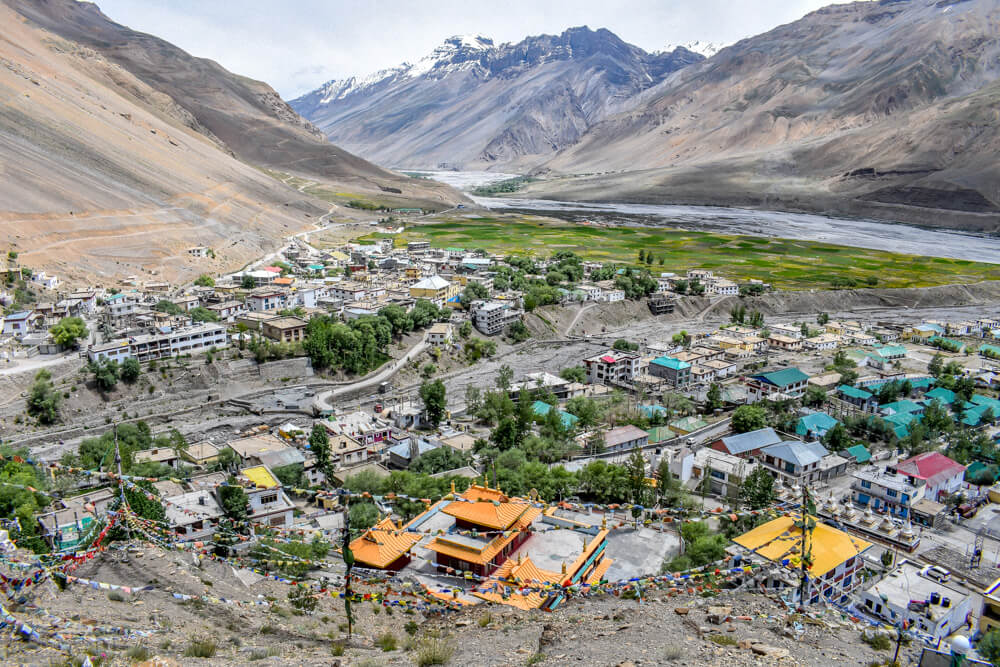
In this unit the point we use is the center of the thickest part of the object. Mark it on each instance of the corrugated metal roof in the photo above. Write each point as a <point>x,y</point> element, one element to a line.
<point>746,442</point>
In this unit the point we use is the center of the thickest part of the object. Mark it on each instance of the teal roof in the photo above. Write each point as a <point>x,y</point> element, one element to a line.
<point>783,378</point>
<point>316,267</point>
<point>900,422</point>
<point>946,396</point>
<point>922,383</point>
<point>854,392</point>
<point>689,424</point>
<point>950,341</point>
<point>542,409</point>
<point>993,349</point>
<point>860,453</point>
<point>671,362</point>
<point>660,434</point>
<point>979,399</point>
<point>650,410</point>
<point>900,407</point>
<point>818,423</point>
<point>891,351</point>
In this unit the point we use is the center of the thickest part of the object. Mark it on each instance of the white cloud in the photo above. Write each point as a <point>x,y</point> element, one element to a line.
<point>295,46</point>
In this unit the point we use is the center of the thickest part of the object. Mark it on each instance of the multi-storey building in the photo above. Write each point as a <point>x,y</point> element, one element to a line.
<point>612,367</point>
<point>146,347</point>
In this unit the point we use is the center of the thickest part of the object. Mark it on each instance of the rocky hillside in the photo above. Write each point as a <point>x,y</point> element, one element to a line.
<point>886,109</point>
<point>120,151</point>
<point>475,105</point>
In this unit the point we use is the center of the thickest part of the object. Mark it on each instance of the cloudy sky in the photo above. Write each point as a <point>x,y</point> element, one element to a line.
<point>298,45</point>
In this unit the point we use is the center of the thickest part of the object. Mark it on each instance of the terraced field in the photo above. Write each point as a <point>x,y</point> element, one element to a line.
<point>785,263</point>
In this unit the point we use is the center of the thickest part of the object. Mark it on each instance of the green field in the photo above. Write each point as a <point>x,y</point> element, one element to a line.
<point>784,263</point>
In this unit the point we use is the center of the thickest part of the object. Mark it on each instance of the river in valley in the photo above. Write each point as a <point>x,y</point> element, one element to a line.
<point>860,233</point>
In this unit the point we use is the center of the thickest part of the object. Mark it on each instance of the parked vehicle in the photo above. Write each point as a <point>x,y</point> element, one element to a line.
<point>935,573</point>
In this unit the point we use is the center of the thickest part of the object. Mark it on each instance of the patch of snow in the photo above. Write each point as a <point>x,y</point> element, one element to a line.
<point>707,49</point>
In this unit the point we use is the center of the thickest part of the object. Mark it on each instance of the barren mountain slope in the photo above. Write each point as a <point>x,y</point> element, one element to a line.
<point>247,116</point>
<point>476,105</point>
<point>878,108</point>
<point>95,184</point>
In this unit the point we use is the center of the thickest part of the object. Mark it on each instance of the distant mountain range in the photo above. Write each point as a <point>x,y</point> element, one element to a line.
<point>885,109</point>
<point>474,104</point>
<point>121,150</point>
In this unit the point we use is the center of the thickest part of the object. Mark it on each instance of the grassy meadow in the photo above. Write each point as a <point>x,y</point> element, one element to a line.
<point>784,263</point>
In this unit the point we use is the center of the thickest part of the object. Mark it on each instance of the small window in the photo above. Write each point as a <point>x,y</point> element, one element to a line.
<point>865,484</point>
<point>891,493</point>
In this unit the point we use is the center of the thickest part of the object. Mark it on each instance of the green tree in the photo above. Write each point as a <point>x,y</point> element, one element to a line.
<point>68,331</point>
<point>713,397</point>
<point>130,370</point>
<point>438,460</point>
<point>228,461</point>
<point>363,516</point>
<point>936,365</point>
<point>433,396</point>
<point>518,331</point>
<point>168,307</point>
<point>301,597</point>
<point>837,439</point>
<point>204,280</point>
<point>465,330</point>
<point>234,501</point>
<point>642,255</point>
<point>43,399</point>
<point>319,445</point>
<point>625,345</point>
<point>105,373</point>
<point>505,375</point>
<point>247,282</point>
<point>473,292</point>
<point>757,490</point>
<point>574,374</point>
<point>749,418</point>
<point>473,399</point>
<point>822,319</point>
<point>202,314</point>
<point>814,397</point>
<point>989,646</point>
<point>635,470</point>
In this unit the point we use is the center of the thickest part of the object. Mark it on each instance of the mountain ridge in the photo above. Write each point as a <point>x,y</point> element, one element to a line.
<point>502,91</point>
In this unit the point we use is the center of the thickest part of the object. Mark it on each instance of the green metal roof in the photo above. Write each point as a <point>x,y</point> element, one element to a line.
<point>854,392</point>
<point>946,396</point>
<point>783,378</point>
<point>671,362</point>
<point>860,453</point>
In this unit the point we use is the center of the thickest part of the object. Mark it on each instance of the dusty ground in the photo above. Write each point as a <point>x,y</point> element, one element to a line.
<point>595,631</point>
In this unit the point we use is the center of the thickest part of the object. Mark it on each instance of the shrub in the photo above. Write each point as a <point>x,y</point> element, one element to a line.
<point>722,640</point>
<point>337,649</point>
<point>200,648</point>
<point>484,620</point>
<point>672,653</point>
<point>879,642</point>
<point>434,652</point>
<point>386,642</point>
<point>411,628</point>
<point>115,596</point>
<point>139,654</point>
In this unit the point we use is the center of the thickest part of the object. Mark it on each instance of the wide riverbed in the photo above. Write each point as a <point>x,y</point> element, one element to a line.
<point>893,237</point>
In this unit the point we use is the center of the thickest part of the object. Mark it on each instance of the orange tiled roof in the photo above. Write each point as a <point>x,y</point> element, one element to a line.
<point>599,571</point>
<point>488,508</point>
<point>382,544</point>
<point>443,545</point>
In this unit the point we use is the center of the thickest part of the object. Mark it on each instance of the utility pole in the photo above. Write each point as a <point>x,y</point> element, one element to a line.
<point>349,562</point>
<point>805,555</point>
<point>121,481</point>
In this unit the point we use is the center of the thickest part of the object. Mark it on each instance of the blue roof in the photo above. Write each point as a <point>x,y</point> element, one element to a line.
<point>797,452</point>
<point>747,442</point>
<point>818,423</point>
<point>403,450</point>
<point>671,362</point>
<point>20,315</point>
<point>979,399</point>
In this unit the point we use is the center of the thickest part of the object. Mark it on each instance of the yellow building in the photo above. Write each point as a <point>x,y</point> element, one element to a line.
<point>434,288</point>
<point>836,555</point>
<point>989,618</point>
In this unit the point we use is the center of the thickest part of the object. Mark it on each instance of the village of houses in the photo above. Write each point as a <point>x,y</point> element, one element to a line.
<point>871,497</point>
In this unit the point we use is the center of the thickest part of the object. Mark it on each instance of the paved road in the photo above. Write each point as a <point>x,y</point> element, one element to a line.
<point>324,401</point>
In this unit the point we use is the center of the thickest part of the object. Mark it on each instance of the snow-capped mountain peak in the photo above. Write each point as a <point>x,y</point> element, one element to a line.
<point>707,49</point>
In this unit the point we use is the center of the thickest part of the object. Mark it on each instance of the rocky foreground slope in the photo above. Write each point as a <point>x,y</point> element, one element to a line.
<point>183,605</point>
<point>119,151</point>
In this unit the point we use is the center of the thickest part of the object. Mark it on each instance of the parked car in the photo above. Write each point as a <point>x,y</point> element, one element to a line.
<point>968,510</point>
<point>938,574</point>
